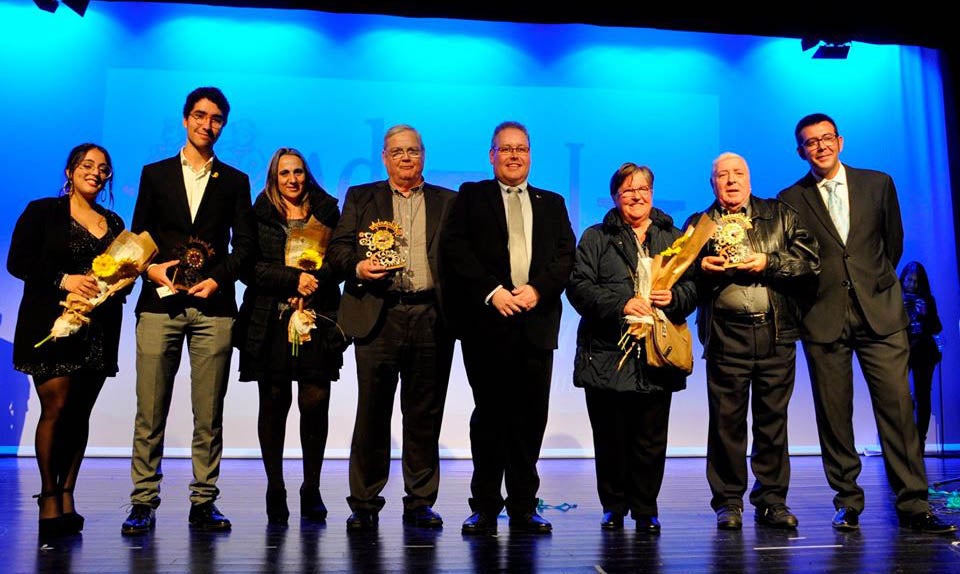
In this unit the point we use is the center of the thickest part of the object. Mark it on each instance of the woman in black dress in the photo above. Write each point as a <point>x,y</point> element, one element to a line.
<point>291,200</point>
<point>53,245</point>
<point>921,307</point>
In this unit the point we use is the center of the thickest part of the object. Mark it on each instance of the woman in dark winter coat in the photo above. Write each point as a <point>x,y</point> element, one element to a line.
<point>53,245</point>
<point>628,403</point>
<point>291,205</point>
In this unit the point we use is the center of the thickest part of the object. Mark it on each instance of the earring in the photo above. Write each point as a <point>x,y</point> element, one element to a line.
<point>65,189</point>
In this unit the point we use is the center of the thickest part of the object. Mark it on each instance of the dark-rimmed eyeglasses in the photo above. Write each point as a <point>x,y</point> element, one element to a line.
<point>511,150</point>
<point>215,119</point>
<point>828,140</point>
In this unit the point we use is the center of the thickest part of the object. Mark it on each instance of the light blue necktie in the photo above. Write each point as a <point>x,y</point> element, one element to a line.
<point>837,209</point>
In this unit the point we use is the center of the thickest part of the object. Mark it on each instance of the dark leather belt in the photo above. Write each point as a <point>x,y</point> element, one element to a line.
<point>743,318</point>
<point>410,297</point>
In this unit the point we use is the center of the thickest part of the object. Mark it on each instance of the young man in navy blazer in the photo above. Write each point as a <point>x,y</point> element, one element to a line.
<point>191,198</point>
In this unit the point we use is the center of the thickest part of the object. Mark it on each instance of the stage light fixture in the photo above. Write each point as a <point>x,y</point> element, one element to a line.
<point>830,51</point>
<point>78,6</point>
<point>47,5</point>
<point>829,48</point>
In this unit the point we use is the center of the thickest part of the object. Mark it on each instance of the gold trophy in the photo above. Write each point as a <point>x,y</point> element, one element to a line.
<point>731,239</point>
<point>382,244</point>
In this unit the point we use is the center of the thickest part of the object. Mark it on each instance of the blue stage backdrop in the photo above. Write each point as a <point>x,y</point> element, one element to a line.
<point>329,84</point>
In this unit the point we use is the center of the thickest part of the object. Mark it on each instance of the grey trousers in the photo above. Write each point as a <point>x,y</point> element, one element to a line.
<point>159,348</point>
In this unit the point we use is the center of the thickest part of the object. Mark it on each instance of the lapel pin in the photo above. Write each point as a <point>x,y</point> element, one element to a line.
<point>215,175</point>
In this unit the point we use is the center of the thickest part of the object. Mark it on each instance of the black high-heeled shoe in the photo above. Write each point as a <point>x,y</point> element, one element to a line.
<point>73,521</point>
<point>50,527</point>
<point>311,505</point>
<point>277,511</point>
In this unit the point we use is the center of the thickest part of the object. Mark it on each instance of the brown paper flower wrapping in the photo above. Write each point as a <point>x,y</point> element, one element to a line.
<point>305,250</point>
<point>665,270</point>
<point>115,269</point>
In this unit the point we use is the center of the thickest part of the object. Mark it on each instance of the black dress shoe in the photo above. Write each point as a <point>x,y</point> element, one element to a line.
<point>730,517</point>
<point>532,523</point>
<point>775,516</point>
<point>312,507</point>
<point>142,519</point>
<point>277,511</point>
<point>927,523</point>
<point>647,524</point>
<point>611,521</point>
<point>208,518</point>
<point>846,519</point>
<point>423,516</point>
<point>480,523</point>
<point>362,521</point>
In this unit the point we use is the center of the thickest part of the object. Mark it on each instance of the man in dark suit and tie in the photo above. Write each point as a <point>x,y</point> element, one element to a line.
<point>394,319</point>
<point>855,216</point>
<point>191,200</point>
<point>507,252</point>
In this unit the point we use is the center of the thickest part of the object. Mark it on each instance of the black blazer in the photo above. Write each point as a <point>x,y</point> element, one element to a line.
<point>362,302</point>
<point>40,256</point>
<point>475,259</point>
<point>868,261</point>
<point>222,220</point>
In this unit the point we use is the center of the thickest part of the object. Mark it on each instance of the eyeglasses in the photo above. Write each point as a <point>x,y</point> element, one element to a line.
<point>828,140</point>
<point>411,152</point>
<point>91,166</point>
<point>511,150</point>
<point>215,119</point>
<point>637,192</point>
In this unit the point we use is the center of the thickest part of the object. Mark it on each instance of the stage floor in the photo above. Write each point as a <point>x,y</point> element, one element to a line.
<point>689,542</point>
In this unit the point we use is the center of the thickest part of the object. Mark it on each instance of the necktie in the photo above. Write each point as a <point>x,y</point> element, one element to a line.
<point>837,209</point>
<point>517,242</point>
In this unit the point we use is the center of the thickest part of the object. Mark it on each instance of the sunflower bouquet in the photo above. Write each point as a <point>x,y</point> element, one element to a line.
<point>305,249</point>
<point>665,269</point>
<point>114,269</point>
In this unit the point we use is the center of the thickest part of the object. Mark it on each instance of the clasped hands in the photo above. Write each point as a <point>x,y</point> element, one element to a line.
<point>510,303</point>
<point>638,307</point>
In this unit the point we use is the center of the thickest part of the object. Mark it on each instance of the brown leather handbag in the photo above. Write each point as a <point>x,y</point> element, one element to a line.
<point>669,345</point>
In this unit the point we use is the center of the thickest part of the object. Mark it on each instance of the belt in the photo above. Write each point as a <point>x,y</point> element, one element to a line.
<point>743,318</point>
<point>410,297</point>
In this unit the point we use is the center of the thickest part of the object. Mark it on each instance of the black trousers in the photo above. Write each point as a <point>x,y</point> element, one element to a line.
<point>922,365</point>
<point>510,380</point>
<point>630,448</point>
<point>410,345</point>
<point>743,357</point>
<point>883,362</point>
